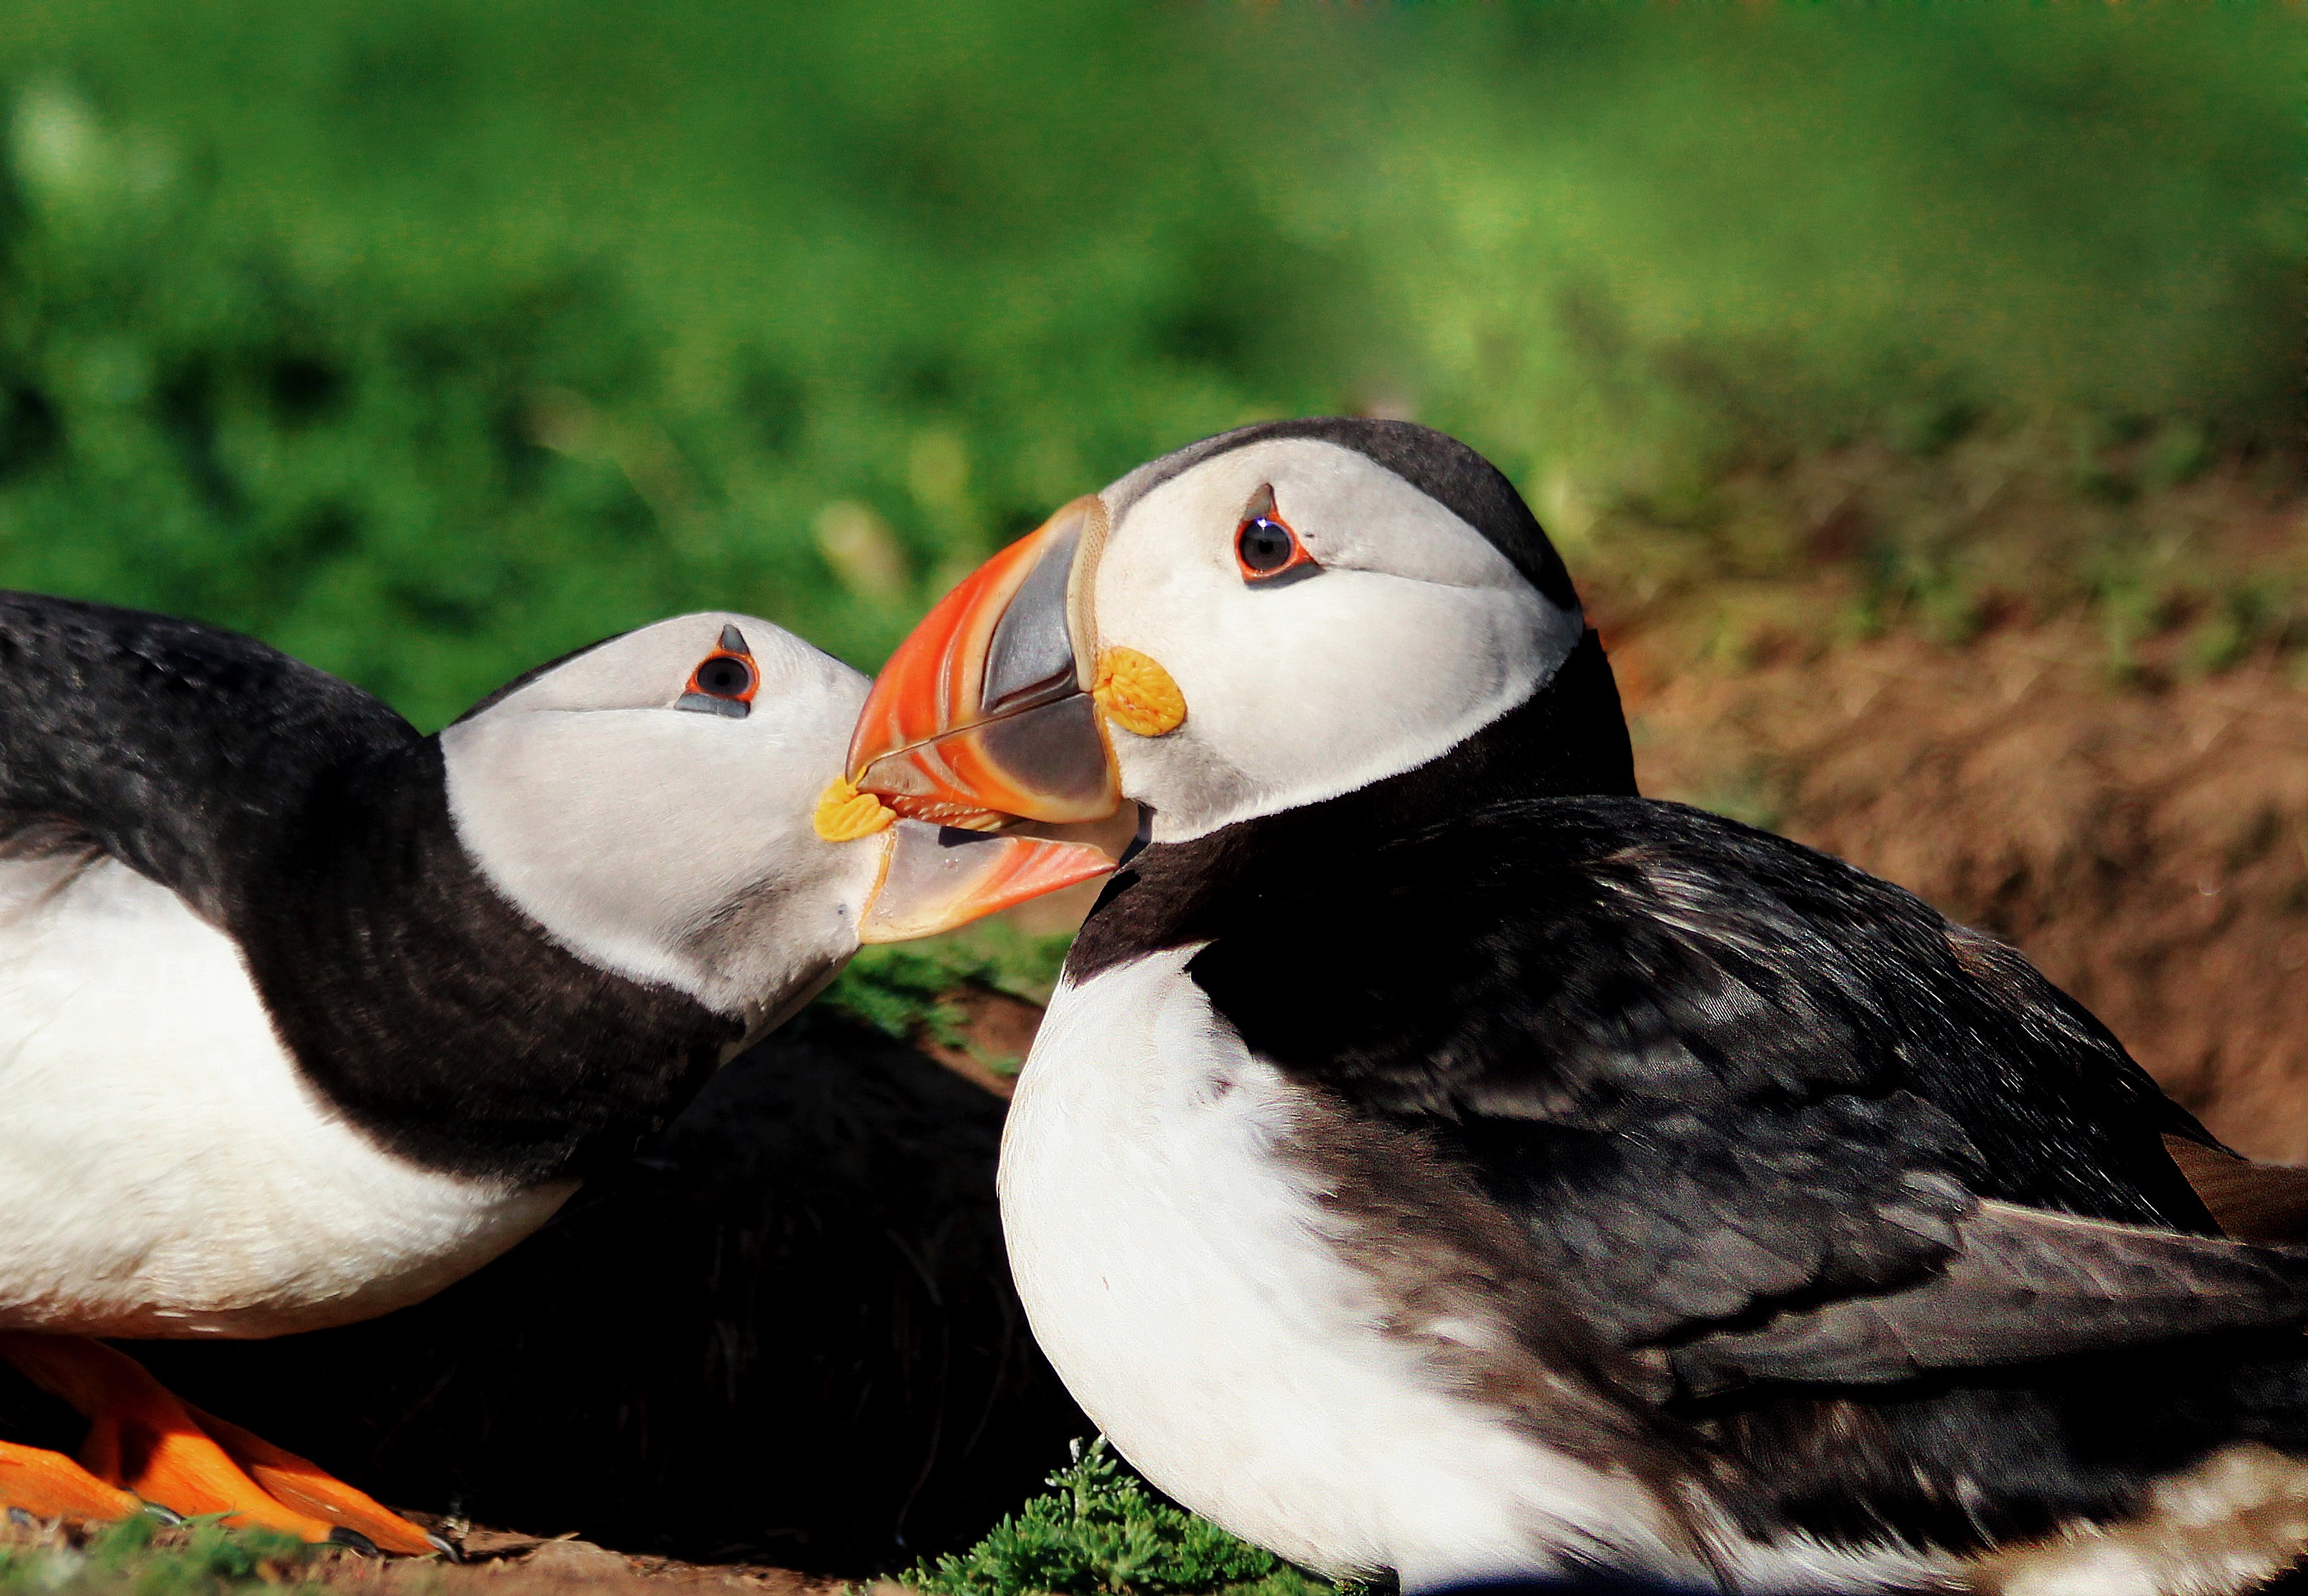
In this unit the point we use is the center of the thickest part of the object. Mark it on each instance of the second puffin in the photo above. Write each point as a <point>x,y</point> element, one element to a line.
<point>1439,1159</point>
<point>303,1015</point>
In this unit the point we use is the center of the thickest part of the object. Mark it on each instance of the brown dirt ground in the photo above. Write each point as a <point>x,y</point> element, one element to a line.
<point>997,1030</point>
<point>495,1562</point>
<point>500,1561</point>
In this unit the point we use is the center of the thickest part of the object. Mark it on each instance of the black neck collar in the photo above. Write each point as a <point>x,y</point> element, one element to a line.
<point>432,1012</point>
<point>1569,739</point>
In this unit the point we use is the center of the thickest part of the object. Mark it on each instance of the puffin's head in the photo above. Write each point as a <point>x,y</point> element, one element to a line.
<point>1259,621</point>
<point>660,803</point>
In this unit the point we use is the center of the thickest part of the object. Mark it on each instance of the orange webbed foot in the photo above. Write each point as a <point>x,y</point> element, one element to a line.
<point>141,1439</point>
<point>49,1485</point>
<point>307,1488</point>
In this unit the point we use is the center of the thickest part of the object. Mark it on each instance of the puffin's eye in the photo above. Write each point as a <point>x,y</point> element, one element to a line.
<point>723,683</point>
<point>1264,546</point>
<point>725,676</point>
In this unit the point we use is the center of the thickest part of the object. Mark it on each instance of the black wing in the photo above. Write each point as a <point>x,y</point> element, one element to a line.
<point>166,743</point>
<point>1752,1107</point>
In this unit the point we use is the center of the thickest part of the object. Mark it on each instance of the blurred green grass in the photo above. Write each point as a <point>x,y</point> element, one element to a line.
<point>428,339</point>
<point>907,990</point>
<point>136,1557</point>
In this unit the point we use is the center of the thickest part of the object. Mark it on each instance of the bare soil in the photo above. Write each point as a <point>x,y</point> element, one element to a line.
<point>493,1562</point>
<point>997,1030</point>
<point>497,1561</point>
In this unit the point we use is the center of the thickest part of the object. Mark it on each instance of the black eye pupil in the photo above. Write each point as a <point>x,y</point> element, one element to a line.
<point>724,677</point>
<point>1265,545</point>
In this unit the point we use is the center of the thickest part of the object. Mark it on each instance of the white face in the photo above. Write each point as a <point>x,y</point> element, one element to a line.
<point>674,844</point>
<point>1410,633</point>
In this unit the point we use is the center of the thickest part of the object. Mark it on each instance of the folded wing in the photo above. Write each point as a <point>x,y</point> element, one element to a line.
<point>1759,1117</point>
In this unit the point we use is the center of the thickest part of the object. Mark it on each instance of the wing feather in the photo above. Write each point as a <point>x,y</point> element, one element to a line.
<point>2021,1284</point>
<point>1747,1105</point>
<point>168,744</point>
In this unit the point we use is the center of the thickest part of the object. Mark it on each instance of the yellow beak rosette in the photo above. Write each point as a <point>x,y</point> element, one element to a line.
<point>844,814</point>
<point>1137,694</point>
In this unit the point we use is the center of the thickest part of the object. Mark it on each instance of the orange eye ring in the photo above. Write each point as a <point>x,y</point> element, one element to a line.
<point>1265,547</point>
<point>725,681</point>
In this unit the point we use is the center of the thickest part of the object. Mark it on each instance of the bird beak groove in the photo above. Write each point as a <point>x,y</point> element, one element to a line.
<point>934,878</point>
<point>987,708</point>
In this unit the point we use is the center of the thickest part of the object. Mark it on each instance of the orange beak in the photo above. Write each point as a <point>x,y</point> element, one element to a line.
<point>985,710</point>
<point>935,879</point>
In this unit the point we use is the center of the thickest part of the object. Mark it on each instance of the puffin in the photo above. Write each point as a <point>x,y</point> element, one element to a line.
<point>304,1015</point>
<point>1441,1163</point>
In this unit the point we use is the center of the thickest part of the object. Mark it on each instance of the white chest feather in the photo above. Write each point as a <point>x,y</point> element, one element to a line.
<point>1178,1275</point>
<point>1181,1277</point>
<point>164,1169</point>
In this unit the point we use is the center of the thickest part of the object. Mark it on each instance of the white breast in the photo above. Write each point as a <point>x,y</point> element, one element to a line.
<point>1178,1275</point>
<point>164,1169</point>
